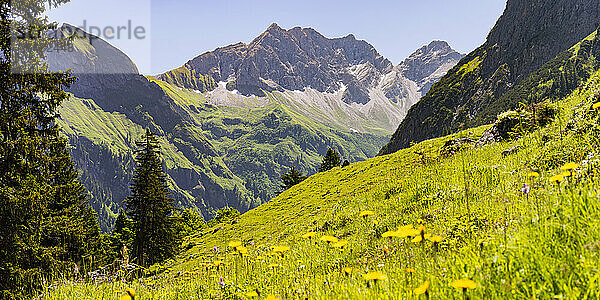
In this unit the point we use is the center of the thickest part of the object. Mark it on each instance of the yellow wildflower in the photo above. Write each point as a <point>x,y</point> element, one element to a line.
<point>366,213</point>
<point>557,178</point>
<point>252,294</point>
<point>348,270</point>
<point>410,270</point>
<point>375,276</point>
<point>129,294</point>
<point>569,166</point>
<point>533,174</point>
<point>463,284</point>
<point>422,289</point>
<point>391,233</point>
<point>234,244</point>
<point>436,239</point>
<point>242,250</point>
<point>281,249</point>
<point>339,244</point>
<point>329,239</point>
<point>309,235</point>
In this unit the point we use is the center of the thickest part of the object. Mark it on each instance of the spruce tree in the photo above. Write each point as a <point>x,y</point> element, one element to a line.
<point>331,160</point>
<point>292,178</point>
<point>46,226</point>
<point>150,206</point>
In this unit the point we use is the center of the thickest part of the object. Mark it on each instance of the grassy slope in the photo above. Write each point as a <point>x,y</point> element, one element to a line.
<point>250,148</point>
<point>261,141</point>
<point>540,245</point>
<point>115,134</point>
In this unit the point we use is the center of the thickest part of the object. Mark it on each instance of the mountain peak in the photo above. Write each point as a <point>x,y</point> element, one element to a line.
<point>438,45</point>
<point>433,59</point>
<point>274,27</point>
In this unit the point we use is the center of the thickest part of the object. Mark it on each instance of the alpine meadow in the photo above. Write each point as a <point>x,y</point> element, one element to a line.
<point>298,165</point>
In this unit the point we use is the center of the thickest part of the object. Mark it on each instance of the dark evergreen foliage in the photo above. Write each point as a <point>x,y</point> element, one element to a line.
<point>151,209</point>
<point>292,178</point>
<point>331,160</point>
<point>46,226</point>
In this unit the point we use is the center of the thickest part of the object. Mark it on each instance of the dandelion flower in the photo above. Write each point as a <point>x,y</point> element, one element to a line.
<point>281,249</point>
<point>348,270</point>
<point>329,239</point>
<point>463,284</point>
<point>242,250</point>
<point>533,174</point>
<point>436,239</point>
<point>391,233</point>
<point>569,166</point>
<point>566,174</point>
<point>252,294</point>
<point>273,265</point>
<point>366,213</point>
<point>234,244</point>
<point>309,235</point>
<point>375,276</point>
<point>339,244</point>
<point>129,294</point>
<point>557,178</point>
<point>410,270</point>
<point>596,105</point>
<point>422,289</point>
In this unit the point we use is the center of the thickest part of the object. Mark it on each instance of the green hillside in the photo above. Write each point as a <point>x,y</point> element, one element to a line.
<point>505,221</point>
<point>216,156</point>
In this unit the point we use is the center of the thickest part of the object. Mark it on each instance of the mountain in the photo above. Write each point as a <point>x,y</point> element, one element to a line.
<point>226,144</point>
<point>340,76</point>
<point>455,216</point>
<point>527,35</point>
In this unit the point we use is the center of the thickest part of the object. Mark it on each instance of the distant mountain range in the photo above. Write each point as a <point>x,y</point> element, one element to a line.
<point>342,75</point>
<point>233,120</point>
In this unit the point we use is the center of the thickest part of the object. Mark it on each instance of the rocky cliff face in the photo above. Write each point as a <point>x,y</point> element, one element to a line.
<point>428,64</point>
<point>292,59</point>
<point>303,60</point>
<point>528,34</point>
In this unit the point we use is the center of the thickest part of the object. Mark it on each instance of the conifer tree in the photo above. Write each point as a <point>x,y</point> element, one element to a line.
<point>46,225</point>
<point>331,160</point>
<point>150,206</point>
<point>122,232</point>
<point>292,178</point>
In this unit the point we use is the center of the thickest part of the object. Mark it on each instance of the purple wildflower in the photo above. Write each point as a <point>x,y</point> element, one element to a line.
<point>525,189</point>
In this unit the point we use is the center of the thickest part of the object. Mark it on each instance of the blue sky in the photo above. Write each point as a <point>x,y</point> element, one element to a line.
<point>178,30</point>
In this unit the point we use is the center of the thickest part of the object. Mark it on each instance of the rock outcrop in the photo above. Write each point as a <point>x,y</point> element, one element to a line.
<point>527,35</point>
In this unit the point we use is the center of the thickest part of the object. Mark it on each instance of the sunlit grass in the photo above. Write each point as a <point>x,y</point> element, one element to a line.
<point>475,225</point>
